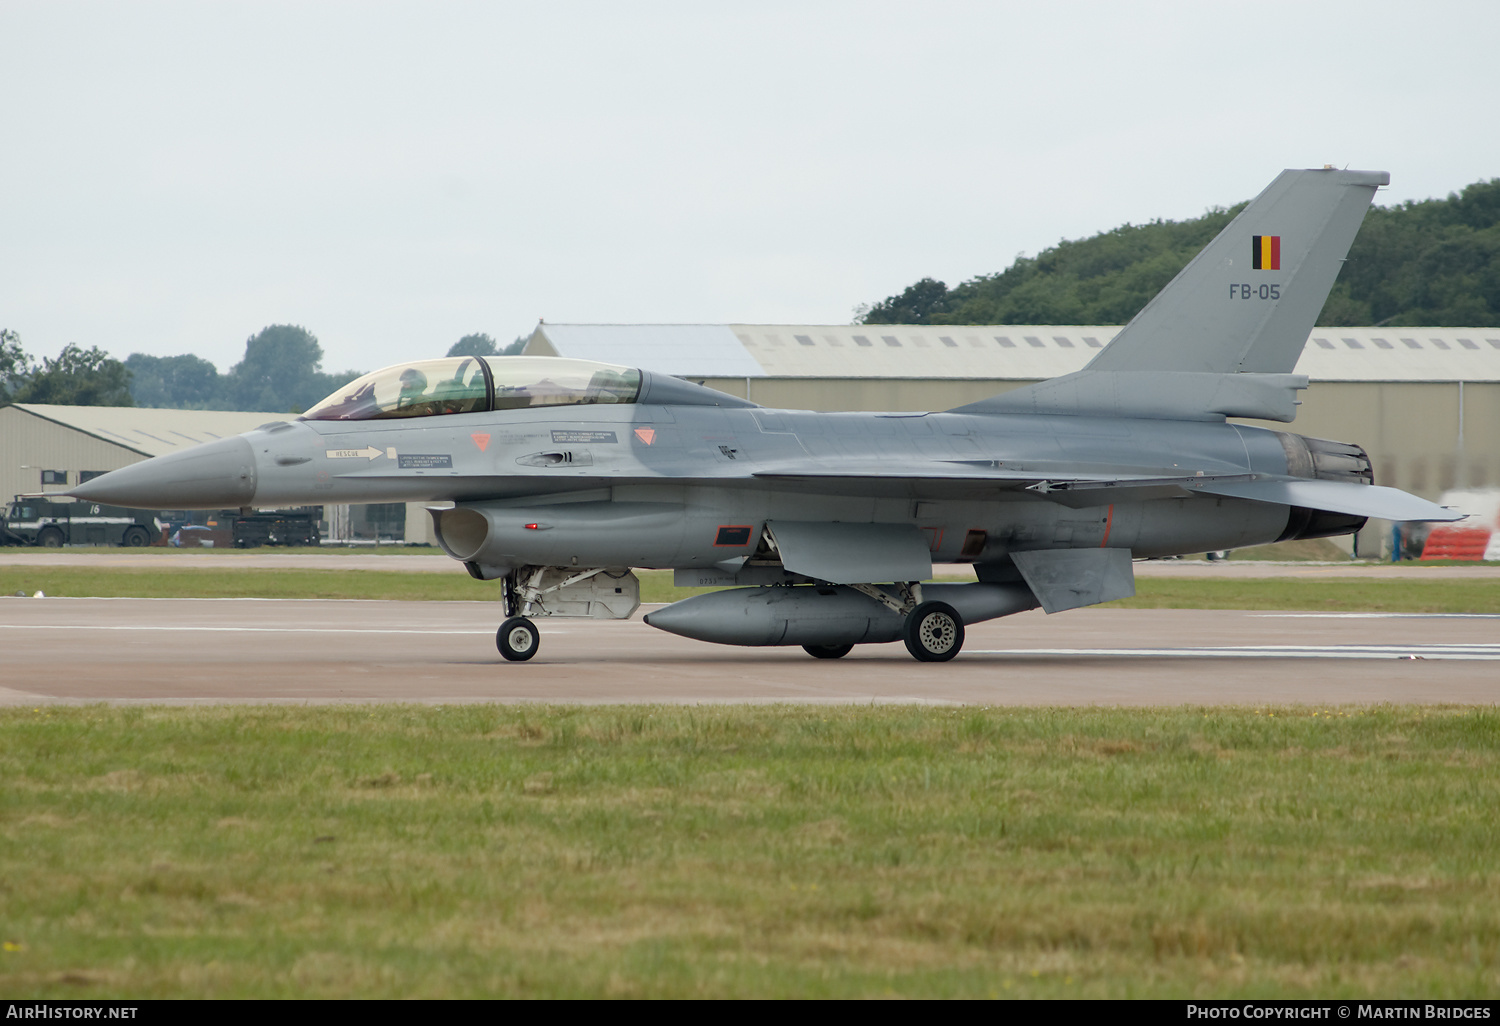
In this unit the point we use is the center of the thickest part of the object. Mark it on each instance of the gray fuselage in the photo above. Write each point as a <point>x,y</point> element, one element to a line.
<point>744,466</point>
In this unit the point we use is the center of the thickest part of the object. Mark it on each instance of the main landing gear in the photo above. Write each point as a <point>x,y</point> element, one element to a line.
<point>933,632</point>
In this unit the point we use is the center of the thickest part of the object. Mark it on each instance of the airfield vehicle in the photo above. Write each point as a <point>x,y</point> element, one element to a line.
<point>554,477</point>
<point>276,527</point>
<point>52,523</point>
<point>233,528</point>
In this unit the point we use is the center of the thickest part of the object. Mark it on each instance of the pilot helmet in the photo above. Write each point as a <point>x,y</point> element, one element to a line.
<point>413,380</point>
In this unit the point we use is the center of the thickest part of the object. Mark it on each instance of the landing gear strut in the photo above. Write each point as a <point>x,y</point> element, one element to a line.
<point>933,632</point>
<point>517,639</point>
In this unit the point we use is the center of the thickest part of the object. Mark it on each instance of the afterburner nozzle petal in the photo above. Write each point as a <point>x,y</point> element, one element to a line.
<point>209,476</point>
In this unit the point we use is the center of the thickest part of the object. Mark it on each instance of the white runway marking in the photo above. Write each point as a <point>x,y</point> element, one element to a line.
<point>229,630</point>
<point>1380,616</point>
<point>1484,651</point>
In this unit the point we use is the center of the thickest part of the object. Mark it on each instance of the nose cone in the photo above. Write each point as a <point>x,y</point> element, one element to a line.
<point>209,476</point>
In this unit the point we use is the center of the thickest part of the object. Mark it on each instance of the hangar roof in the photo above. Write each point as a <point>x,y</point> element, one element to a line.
<point>149,432</point>
<point>1000,351</point>
<point>681,349</point>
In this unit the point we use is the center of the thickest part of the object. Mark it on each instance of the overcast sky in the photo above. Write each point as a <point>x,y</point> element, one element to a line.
<point>391,176</point>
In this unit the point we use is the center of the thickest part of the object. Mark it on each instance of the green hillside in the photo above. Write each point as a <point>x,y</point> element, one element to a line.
<point>1432,262</point>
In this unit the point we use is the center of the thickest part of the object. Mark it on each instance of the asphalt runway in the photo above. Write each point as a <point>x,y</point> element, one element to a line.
<point>215,651</point>
<point>262,559</point>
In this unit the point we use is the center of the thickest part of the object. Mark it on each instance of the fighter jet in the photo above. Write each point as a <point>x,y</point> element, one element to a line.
<point>555,477</point>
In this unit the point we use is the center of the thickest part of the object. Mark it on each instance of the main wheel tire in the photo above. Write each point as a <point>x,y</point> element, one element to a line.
<point>136,538</point>
<point>517,639</point>
<point>50,538</point>
<point>933,632</point>
<point>828,651</point>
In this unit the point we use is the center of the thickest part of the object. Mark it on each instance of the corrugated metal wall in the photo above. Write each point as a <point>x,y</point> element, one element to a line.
<point>30,444</point>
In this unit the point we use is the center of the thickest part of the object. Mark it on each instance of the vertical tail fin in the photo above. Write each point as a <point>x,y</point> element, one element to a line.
<point>1247,302</point>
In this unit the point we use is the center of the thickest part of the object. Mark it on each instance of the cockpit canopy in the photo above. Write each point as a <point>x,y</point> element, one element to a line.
<point>472,384</point>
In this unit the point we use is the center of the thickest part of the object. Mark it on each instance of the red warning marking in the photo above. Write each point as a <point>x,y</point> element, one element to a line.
<point>481,440</point>
<point>1109,521</point>
<point>647,435</point>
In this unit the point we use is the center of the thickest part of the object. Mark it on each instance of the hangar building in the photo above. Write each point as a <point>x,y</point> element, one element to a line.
<point>47,448</point>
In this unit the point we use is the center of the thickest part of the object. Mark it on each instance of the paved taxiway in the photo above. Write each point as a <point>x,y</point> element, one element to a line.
<point>275,650</point>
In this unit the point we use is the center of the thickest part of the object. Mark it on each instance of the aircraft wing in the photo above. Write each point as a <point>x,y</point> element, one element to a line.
<point>1088,489</point>
<point>1064,486</point>
<point>899,470</point>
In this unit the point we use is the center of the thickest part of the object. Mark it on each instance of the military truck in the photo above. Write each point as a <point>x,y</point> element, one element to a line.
<point>53,523</point>
<point>297,526</point>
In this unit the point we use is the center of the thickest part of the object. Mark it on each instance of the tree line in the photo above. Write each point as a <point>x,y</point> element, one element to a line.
<point>281,372</point>
<point>1428,262</point>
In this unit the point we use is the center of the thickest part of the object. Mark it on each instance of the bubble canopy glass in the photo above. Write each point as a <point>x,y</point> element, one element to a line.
<point>471,384</point>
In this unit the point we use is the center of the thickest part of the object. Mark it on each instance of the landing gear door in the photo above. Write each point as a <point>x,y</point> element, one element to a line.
<point>844,553</point>
<point>1070,578</point>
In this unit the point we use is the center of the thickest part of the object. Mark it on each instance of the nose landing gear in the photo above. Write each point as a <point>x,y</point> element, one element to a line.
<point>517,639</point>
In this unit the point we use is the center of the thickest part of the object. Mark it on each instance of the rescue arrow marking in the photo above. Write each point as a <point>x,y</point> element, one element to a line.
<point>481,440</point>
<point>369,452</point>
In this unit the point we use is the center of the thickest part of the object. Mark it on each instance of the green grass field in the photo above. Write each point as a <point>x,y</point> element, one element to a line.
<point>767,851</point>
<point>1412,596</point>
<point>391,851</point>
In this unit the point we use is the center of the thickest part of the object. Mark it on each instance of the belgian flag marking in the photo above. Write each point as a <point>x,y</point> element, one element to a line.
<point>1265,252</point>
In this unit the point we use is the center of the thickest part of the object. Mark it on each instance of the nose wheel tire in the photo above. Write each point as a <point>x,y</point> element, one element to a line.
<point>828,651</point>
<point>933,632</point>
<point>517,639</point>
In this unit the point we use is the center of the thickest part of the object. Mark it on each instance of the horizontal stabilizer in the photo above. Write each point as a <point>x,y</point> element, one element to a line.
<point>1335,497</point>
<point>1068,578</point>
<point>844,553</point>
